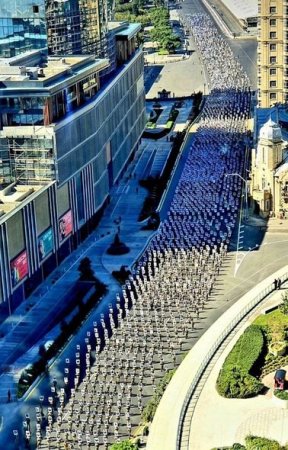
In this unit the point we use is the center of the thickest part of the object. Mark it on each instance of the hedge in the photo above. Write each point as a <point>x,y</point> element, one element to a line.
<point>235,379</point>
<point>255,443</point>
<point>150,408</point>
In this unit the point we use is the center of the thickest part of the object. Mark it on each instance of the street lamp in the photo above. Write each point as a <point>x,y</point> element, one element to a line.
<point>246,189</point>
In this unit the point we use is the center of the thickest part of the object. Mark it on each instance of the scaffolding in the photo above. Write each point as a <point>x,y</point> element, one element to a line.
<point>31,159</point>
<point>5,165</point>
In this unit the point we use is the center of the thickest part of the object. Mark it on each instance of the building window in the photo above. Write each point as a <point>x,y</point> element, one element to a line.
<point>273,71</point>
<point>272,34</point>
<point>272,9</point>
<point>272,47</point>
<point>273,96</point>
<point>272,83</point>
<point>272,22</point>
<point>35,9</point>
<point>272,59</point>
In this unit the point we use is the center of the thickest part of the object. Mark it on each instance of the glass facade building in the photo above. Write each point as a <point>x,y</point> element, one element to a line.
<point>76,27</point>
<point>22,26</point>
<point>66,27</point>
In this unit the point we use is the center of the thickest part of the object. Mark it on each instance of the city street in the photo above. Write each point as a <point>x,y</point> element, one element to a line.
<point>244,47</point>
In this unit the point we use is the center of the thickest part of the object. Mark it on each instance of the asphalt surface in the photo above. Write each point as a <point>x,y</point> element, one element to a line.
<point>244,48</point>
<point>126,202</point>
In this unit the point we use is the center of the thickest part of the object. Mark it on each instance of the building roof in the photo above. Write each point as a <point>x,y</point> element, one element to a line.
<point>271,131</point>
<point>281,169</point>
<point>278,114</point>
<point>124,29</point>
<point>130,30</point>
<point>15,195</point>
<point>48,73</point>
<point>242,9</point>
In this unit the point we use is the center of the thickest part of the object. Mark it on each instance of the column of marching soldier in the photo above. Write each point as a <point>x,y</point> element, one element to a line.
<point>162,301</point>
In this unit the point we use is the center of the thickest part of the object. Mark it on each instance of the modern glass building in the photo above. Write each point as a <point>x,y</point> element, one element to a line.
<point>22,26</point>
<point>66,135</point>
<point>66,27</point>
<point>76,27</point>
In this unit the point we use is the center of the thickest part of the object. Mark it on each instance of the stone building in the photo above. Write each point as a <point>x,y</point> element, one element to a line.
<point>272,52</point>
<point>269,184</point>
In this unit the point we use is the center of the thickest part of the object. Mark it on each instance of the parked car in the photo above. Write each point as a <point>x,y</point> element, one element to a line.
<point>279,379</point>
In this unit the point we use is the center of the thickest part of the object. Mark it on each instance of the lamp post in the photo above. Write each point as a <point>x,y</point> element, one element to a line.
<point>246,190</point>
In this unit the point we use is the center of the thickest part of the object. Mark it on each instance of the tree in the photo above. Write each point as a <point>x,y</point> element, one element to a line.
<point>85,269</point>
<point>162,32</point>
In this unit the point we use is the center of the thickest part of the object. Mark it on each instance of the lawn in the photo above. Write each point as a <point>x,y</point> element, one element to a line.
<point>274,319</point>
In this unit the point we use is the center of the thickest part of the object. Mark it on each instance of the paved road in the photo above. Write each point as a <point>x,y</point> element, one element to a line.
<point>244,48</point>
<point>127,202</point>
<point>227,16</point>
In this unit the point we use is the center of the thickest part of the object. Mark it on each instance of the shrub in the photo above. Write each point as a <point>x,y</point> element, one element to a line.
<point>260,443</point>
<point>283,395</point>
<point>237,383</point>
<point>124,445</point>
<point>235,379</point>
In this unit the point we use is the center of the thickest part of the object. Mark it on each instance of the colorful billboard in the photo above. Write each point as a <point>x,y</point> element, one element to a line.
<point>65,225</point>
<point>19,268</point>
<point>45,244</point>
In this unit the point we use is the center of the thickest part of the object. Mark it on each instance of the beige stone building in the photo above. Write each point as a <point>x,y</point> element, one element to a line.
<point>272,52</point>
<point>269,183</point>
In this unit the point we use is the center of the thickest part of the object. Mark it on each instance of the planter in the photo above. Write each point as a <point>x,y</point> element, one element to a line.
<point>279,402</point>
<point>278,348</point>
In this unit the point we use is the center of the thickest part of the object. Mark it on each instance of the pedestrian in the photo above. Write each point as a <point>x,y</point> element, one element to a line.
<point>9,396</point>
<point>275,284</point>
<point>279,283</point>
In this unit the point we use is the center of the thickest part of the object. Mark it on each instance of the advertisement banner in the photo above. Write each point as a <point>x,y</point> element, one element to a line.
<point>65,225</point>
<point>19,268</point>
<point>45,244</point>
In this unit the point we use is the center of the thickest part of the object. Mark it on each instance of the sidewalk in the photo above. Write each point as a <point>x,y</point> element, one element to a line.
<point>230,420</point>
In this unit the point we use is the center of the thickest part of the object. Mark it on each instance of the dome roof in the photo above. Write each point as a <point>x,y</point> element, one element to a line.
<point>271,131</point>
